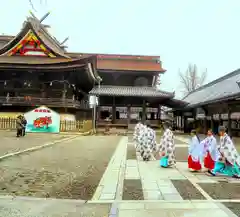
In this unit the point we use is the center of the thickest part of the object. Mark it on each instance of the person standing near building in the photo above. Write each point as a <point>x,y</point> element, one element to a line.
<point>19,126</point>
<point>228,162</point>
<point>195,152</point>
<point>166,148</point>
<point>210,150</point>
<point>24,123</point>
<point>147,142</point>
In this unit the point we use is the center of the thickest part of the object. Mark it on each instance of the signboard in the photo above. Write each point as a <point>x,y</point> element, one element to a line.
<point>93,100</point>
<point>187,114</point>
<point>42,120</point>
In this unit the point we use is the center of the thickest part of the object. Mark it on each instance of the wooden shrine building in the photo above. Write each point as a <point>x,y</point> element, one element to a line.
<point>36,69</point>
<point>216,103</point>
<point>128,91</point>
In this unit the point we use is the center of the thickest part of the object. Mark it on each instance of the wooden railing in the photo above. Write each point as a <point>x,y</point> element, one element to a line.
<point>65,126</point>
<point>55,102</point>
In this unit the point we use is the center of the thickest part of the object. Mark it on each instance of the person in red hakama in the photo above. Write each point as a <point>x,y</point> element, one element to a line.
<point>210,150</point>
<point>195,152</point>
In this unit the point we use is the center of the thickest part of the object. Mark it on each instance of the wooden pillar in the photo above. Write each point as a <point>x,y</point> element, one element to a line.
<point>144,113</point>
<point>205,128</point>
<point>159,114</point>
<point>220,119</point>
<point>177,122</point>
<point>185,126</point>
<point>64,93</point>
<point>229,122</point>
<point>43,91</point>
<point>182,122</point>
<point>113,111</point>
<point>128,114</point>
<point>212,122</point>
<point>98,113</point>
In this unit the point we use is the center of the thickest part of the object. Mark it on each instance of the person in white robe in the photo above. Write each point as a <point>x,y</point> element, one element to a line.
<point>228,162</point>
<point>210,151</point>
<point>167,147</point>
<point>195,152</point>
<point>136,135</point>
<point>147,141</point>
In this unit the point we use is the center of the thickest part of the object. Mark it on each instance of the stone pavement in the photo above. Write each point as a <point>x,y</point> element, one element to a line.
<point>161,198</point>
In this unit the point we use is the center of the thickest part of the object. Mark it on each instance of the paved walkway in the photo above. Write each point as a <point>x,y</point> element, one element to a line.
<point>160,195</point>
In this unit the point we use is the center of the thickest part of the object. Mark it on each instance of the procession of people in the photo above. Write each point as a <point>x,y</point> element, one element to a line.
<point>215,157</point>
<point>145,139</point>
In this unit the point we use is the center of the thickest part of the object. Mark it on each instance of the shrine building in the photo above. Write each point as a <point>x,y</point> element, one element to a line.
<point>36,69</point>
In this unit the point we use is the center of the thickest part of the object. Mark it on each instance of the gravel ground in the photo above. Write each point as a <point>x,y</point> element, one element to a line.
<point>132,189</point>
<point>234,207</point>
<point>9,142</point>
<point>69,170</point>
<point>222,190</point>
<point>187,190</point>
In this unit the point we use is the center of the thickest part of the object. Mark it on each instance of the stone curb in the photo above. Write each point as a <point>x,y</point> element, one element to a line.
<point>60,133</point>
<point>162,201</point>
<point>35,148</point>
<point>10,197</point>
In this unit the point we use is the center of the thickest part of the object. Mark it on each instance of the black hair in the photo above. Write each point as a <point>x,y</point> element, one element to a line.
<point>196,134</point>
<point>222,128</point>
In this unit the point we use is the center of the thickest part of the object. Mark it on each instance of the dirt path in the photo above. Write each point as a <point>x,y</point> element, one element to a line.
<point>70,170</point>
<point>9,143</point>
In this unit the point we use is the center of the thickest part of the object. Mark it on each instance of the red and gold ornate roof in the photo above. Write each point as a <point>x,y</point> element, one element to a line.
<point>32,40</point>
<point>30,45</point>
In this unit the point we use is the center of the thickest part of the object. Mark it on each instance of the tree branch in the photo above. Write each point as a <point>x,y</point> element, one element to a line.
<point>191,79</point>
<point>32,6</point>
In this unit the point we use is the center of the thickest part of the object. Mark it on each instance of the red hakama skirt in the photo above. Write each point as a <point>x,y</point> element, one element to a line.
<point>195,165</point>
<point>209,163</point>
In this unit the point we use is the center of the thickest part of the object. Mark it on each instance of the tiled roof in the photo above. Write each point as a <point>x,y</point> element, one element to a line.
<point>46,37</point>
<point>34,25</point>
<point>106,90</point>
<point>33,60</point>
<point>126,62</point>
<point>175,103</point>
<point>221,88</point>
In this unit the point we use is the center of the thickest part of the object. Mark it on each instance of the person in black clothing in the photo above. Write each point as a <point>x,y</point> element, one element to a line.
<point>19,126</point>
<point>24,123</point>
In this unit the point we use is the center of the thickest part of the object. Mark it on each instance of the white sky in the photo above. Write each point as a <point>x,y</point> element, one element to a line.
<point>204,32</point>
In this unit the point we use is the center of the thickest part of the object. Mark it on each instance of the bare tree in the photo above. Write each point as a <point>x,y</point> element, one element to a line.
<point>192,78</point>
<point>31,2</point>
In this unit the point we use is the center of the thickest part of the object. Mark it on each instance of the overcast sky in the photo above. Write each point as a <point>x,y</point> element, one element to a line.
<point>204,32</point>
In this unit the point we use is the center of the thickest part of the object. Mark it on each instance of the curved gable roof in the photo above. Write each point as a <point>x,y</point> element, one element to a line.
<point>33,25</point>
